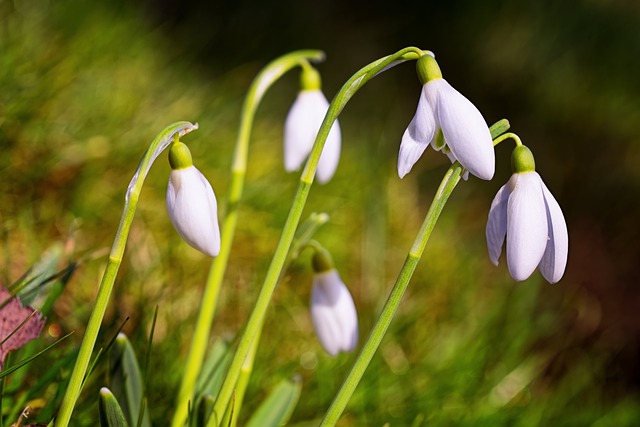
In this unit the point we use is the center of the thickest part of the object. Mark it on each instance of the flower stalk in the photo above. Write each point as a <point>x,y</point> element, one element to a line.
<point>449,182</point>
<point>263,81</point>
<point>161,141</point>
<point>256,319</point>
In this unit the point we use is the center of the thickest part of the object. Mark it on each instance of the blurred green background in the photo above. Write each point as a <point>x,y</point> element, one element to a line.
<point>85,86</point>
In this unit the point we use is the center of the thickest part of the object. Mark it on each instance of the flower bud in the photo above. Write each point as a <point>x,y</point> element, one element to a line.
<point>333,313</point>
<point>191,203</point>
<point>302,125</point>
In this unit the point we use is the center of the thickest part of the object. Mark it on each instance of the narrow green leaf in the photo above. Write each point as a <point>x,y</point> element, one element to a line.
<point>41,272</point>
<point>111,414</point>
<point>214,369</point>
<point>44,380</point>
<point>205,407</point>
<point>23,362</point>
<point>277,408</point>
<point>126,380</point>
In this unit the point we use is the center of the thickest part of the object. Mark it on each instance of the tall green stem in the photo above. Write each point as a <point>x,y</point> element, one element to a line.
<point>449,182</point>
<point>451,178</point>
<point>265,79</point>
<point>255,321</point>
<point>161,141</point>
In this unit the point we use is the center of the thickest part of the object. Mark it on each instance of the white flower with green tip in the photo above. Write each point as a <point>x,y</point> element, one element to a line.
<point>191,203</point>
<point>333,312</point>
<point>441,107</point>
<point>301,128</point>
<point>526,213</point>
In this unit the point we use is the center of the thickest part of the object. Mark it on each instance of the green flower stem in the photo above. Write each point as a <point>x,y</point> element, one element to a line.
<point>231,417</point>
<point>449,182</point>
<point>254,324</point>
<point>161,141</point>
<point>508,135</point>
<point>263,81</point>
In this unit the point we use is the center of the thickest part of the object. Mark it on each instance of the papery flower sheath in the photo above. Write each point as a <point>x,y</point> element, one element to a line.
<point>302,126</point>
<point>333,313</point>
<point>465,131</point>
<point>526,213</point>
<point>192,206</point>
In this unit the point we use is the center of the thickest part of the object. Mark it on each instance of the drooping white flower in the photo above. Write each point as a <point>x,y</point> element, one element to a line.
<point>302,125</point>
<point>526,213</point>
<point>192,205</point>
<point>333,313</point>
<point>300,131</point>
<point>465,131</point>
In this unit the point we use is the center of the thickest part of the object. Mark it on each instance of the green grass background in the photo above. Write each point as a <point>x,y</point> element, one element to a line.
<point>85,86</point>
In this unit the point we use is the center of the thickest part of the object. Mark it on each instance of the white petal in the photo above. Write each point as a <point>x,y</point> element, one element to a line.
<point>417,137</point>
<point>193,210</point>
<point>333,313</point>
<point>526,225</point>
<point>497,223</point>
<point>465,130</point>
<point>410,150</point>
<point>554,259</point>
<point>300,131</point>
<point>453,159</point>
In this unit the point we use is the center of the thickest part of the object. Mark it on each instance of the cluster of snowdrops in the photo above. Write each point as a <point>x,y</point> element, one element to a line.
<point>523,213</point>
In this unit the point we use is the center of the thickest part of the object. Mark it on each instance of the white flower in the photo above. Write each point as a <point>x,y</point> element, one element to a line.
<point>527,213</point>
<point>193,210</point>
<point>464,129</point>
<point>333,313</point>
<point>300,130</point>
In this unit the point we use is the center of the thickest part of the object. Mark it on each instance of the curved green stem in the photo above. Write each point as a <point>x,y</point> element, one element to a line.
<point>256,319</point>
<point>507,135</point>
<point>161,141</point>
<point>265,79</point>
<point>449,182</point>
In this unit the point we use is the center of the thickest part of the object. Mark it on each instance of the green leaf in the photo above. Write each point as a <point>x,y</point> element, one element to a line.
<point>279,405</point>
<point>214,369</point>
<point>32,292</point>
<point>23,362</point>
<point>111,414</point>
<point>126,380</point>
<point>205,408</point>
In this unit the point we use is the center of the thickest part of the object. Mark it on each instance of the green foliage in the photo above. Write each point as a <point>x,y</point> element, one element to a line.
<point>111,414</point>
<point>210,380</point>
<point>278,406</point>
<point>127,381</point>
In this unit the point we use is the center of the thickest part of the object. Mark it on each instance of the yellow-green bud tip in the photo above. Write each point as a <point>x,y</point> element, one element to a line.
<point>522,160</point>
<point>321,261</point>
<point>180,156</point>
<point>427,69</point>
<point>310,79</point>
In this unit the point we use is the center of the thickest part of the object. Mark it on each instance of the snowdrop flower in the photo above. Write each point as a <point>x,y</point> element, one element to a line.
<point>191,203</point>
<point>333,312</point>
<point>441,107</point>
<point>302,126</point>
<point>527,213</point>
